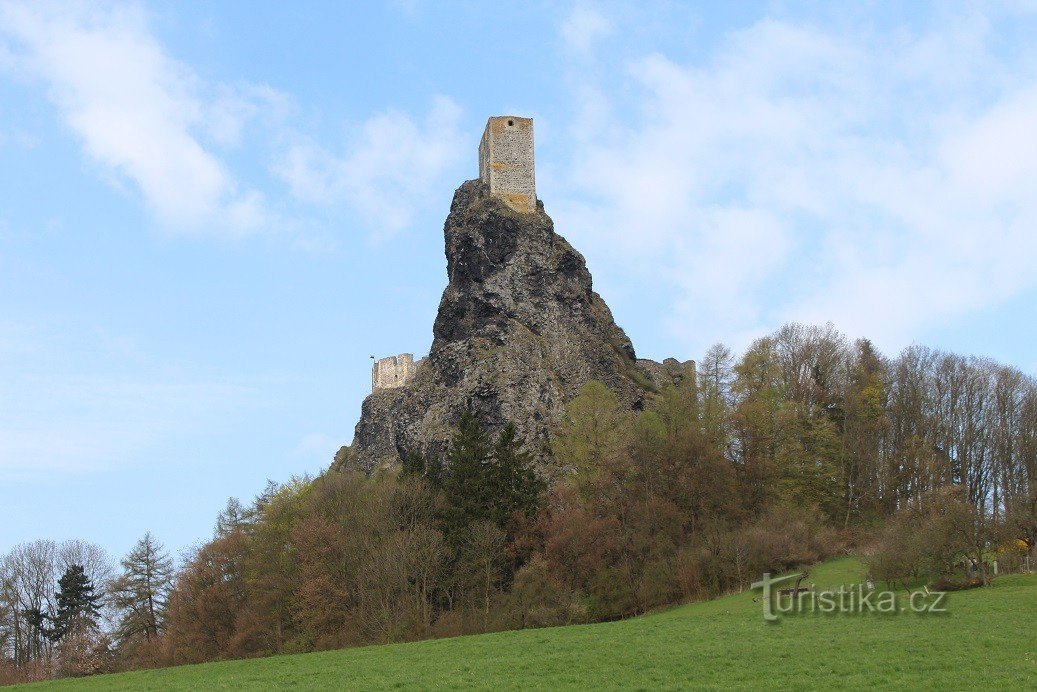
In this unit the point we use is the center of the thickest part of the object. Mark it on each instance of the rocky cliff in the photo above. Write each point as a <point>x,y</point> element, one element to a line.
<point>519,331</point>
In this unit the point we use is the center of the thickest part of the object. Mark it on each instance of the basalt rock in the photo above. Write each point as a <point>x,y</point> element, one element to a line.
<point>519,331</point>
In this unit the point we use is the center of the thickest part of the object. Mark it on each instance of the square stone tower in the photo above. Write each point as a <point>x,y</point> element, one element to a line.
<point>392,372</point>
<point>506,161</point>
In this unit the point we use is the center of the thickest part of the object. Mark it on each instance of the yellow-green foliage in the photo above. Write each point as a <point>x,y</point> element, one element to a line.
<point>592,428</point>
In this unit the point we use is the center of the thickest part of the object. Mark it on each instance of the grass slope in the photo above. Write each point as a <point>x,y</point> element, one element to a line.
<point>987,639</point>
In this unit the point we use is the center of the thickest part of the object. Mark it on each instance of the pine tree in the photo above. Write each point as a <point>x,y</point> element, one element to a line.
<point>141,591</point>
<point>78,604</point>
<point>488,481</point>
<point>467,483</point>
<point>515,485</point>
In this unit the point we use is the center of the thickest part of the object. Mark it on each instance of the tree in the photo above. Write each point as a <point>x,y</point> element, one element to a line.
<point>415,464</point>
<point>207,600</point>
<point>467,484</point>
<point>932,536</point>
<point>758,421</point>
<point>716,375</point>
<point>233,517</point>
<point>482,558</point>
<point>78,605</point>
<point>593,426</point>
<point>28,581</point>
<point>141,592</point>
<point>864,421</point>
<point>515,485</point>
<point>488,481</point>
<point>678,405</point>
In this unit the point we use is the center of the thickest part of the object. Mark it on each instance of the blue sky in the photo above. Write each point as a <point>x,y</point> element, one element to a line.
<point>212,214</point>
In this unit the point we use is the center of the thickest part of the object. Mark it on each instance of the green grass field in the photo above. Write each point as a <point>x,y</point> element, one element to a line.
<point>988,639</point>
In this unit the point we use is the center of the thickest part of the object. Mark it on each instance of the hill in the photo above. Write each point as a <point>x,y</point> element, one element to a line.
<point>986,639</point>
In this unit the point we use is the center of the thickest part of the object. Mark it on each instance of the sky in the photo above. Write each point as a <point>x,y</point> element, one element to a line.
<point>213,214</point>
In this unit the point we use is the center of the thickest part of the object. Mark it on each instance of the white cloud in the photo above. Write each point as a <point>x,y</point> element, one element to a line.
<point>231,108</point>
<point>584,27</point>
<point>150,121</point>
<point>138,111</point>
<point>387,171</point>
<point>800,173</point>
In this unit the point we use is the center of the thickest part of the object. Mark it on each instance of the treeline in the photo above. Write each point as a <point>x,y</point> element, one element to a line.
<point>65,610</point>
<point>805,446</point>
<point>811,417</point>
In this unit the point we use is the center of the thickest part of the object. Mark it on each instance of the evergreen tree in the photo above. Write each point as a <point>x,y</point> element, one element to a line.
<point>141,591</point>
<point>415,464</point>
<point>488,480</point>
<point>78,604</point>
<point>467,484</point>
<point>515,484</point>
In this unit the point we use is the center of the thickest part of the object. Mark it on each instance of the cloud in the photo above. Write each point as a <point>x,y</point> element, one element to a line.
<point>150,121</point>
<point>387,170</point>
<point>583,28</point>
<point>138,111</point>
<point>804,173</point>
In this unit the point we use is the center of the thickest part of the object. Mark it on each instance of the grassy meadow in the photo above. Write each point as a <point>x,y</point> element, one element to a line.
<point>988,638</point>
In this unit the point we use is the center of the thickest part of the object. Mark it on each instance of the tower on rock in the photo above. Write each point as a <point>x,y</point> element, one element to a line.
<point>506,161</point>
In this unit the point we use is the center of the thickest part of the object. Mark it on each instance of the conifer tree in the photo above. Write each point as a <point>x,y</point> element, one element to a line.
<point>78,604</point>
<point>515,484</point>
<point>415,464</point>
<point>467,484</point>
<point>233,517</point>
<point>141,591</point>
<point>488,480</point>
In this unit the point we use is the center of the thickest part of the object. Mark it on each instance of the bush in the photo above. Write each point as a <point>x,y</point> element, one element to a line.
<point>930,539</point>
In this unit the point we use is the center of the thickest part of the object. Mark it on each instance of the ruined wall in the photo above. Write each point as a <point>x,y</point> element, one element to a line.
<point>394,371</point>
<point>506,161</point>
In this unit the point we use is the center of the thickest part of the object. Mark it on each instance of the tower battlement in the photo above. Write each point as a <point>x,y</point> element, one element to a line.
<point>394,371</point>
<point>506,161</point>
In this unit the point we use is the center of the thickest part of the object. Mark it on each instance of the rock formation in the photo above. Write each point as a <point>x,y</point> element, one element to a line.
<point>519,331</point>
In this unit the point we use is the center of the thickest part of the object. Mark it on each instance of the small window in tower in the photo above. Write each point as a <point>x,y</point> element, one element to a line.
<point>510,123</point>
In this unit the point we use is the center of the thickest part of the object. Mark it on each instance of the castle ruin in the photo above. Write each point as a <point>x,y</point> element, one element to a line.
<point>506,161</point>
<point>392,372</point>
<point>506,166</point>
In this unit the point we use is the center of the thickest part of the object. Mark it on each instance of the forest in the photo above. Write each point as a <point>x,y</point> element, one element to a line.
<point>809,445</point>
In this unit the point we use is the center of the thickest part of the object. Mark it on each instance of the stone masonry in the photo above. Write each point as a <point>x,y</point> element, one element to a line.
<point>394,371</point>
<point>506,161</point>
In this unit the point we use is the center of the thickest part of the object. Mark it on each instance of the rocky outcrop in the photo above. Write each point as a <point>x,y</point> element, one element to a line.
<point>519,331</point>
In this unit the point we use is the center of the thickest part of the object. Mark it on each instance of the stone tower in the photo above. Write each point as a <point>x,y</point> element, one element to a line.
<point>392,372</point>
<point>506,161</point>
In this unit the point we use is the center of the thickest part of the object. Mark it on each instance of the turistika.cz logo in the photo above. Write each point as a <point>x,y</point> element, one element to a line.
<point>853,599</point>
